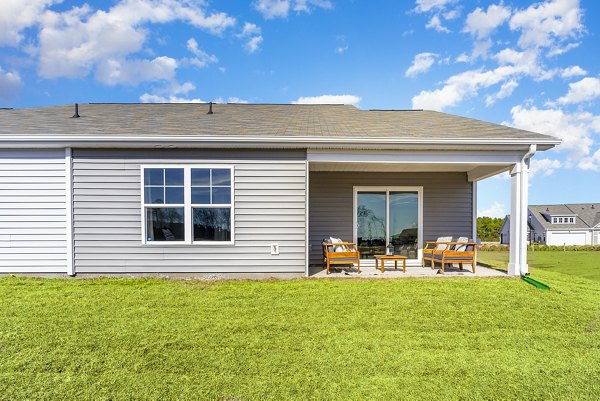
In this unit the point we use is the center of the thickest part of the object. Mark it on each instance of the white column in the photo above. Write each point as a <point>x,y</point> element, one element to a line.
<point>514,262</point>
<point>524,216</point>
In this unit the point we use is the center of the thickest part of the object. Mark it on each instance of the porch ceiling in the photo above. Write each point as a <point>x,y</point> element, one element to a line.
<point>475,171</point>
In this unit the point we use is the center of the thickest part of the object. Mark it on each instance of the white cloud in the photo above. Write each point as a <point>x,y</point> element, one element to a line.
<point>558,50</point>
<point>423,6</point>
<point>148,98</point>
<point>202,58</point>
<point>585,90</point>
<point>231,99</point>
<point>482,23</point>
<point>170,94</point>
<point>545,166</point>
<point>421,64</point>
<point>575,129</point>
<point>252,33</point>
<point>250,29</point>
<point>461,86</point>
<point>506,90</point>
<point>341,49</point>
<point>436,23</point>
<point>590,163</point>
<point>73,43</point>
<point>547,23</point>
<point>10,84</point>
<point>280,8</point>
<point>496,210</point>
<point>573,71</point>
<point>451,14</point>
<point>253,44</point>
<point>17,15</point>
<point>132,72</point>
<point>328,99</point>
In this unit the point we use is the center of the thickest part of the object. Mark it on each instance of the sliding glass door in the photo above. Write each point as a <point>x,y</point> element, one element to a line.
<point>388,216</point>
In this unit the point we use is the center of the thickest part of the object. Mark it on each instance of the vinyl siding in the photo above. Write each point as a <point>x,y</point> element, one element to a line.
<point>33,234</point>
<point>270,197</point>
<point>447,204</point>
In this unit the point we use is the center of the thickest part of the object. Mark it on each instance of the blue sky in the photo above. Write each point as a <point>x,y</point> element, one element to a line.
<point>532,65</point>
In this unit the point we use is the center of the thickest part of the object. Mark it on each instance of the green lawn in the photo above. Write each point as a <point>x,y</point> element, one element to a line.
<point>420,338</point>
<point>582,264</point>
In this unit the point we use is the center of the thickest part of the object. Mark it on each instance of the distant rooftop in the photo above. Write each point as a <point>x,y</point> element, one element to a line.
<point>587,214</point>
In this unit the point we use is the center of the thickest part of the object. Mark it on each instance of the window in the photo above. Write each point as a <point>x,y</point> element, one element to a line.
<point>187,205</point>
<point>563,220</point>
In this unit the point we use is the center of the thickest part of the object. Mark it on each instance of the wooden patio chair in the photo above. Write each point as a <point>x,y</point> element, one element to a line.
<point>433,246</point>
<point>341,253</point>
<point>461,251</point>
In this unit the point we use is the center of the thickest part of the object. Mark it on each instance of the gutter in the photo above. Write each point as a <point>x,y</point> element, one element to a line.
<point>16,141</point>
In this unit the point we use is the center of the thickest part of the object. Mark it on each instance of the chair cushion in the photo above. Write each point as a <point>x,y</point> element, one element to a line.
<point>461,248</point>
<point>339,248</point>
<point>438,256</point>
<point>442,247</point>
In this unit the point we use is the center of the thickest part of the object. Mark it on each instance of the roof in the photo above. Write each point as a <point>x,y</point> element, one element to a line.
<point>587,215</point>
<point>271,121</point>
<point>507,221</point>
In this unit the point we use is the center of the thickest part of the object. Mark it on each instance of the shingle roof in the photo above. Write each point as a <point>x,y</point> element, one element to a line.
<point>264,120</point>
<point>587,215</point>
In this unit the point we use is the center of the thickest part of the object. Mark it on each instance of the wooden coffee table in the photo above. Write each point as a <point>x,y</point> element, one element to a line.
<point>395,258</point>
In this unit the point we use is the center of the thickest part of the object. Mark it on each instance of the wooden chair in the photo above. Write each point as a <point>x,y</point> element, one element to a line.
<point>431,247</point>
<point>349,254</point>
<point>454,252</point>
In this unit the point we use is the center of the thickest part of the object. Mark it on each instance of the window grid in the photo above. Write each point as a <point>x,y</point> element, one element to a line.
<point>188,205</point>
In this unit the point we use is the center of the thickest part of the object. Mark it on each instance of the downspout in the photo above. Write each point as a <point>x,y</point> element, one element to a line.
<point>529,154</point>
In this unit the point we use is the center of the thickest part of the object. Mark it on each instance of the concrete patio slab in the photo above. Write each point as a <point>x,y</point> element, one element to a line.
<point>411,271</point>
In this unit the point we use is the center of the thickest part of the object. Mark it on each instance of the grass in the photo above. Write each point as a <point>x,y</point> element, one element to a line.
<point>575,263</point>
<point>422,338</point>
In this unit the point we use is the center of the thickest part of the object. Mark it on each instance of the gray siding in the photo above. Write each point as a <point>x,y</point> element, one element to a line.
<point>33,235</point>
<point>447,204</point>
<point>270,197</point>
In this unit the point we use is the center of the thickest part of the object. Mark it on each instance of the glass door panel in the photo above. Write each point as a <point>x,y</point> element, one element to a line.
<point>371,223</point>
<point>404,223</point>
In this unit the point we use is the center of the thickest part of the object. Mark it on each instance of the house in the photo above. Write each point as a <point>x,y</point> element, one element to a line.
<point>568,224</point>
<point>242,188</point>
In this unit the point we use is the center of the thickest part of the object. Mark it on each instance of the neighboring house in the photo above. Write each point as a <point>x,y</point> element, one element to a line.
<point>143,188</point>
<point>569,224</point>
<point>505,231</point>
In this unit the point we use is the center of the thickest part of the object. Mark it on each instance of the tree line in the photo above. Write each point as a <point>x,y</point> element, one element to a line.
<point>488,228</point>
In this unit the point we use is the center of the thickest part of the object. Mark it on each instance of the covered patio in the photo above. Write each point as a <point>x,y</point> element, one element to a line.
<point>384,200</point>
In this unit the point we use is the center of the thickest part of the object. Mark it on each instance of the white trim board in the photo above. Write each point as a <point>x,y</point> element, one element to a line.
<point>70,249</point>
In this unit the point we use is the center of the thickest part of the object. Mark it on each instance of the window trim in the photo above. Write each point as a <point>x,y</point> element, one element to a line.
<point>187,205</point>
<point>564,219</point>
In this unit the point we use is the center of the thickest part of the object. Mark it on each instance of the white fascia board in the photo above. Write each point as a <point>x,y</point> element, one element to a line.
<point>245,141</point>
<point>500,158</point>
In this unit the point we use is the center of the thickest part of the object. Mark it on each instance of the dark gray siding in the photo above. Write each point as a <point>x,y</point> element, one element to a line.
<point>270,198</point>
<point>447,204</point>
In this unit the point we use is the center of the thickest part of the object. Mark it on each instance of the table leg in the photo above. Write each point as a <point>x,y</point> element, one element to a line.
<point>382,266</point>
<point>404,265</point>
<point>376,263</point>
<point>395,264</point>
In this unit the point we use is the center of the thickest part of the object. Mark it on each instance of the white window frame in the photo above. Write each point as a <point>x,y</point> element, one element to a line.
<point>188,206</point>
<point>387,190</point>
<point>563,219</point>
